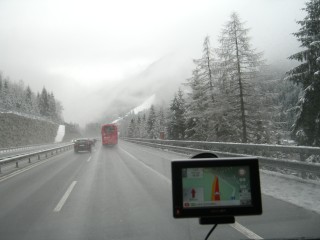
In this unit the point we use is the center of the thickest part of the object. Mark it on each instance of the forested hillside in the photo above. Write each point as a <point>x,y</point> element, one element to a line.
<point>27,118</point>
<point>234,96</point>
<point>16,97</point>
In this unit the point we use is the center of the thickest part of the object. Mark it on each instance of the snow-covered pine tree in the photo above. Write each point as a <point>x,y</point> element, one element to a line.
<point>151,123</point>
<point>44,103</point>
<point>239,67</point>
<point>209,75</point>
<point>170,120</point>
<point>18,93</point>
<point>8,97</point>
<point>52,107</point>
<point>28,100</point>
<point>131,128</point>
<point>271,89</point>
<point>196,121</point>
<point>306,129</point>
<point>59,109</point>
<point>289,94</point>
<point>177,120</point>
<point>143,126</point>
<point>1,82</point>
<point>161,121</point>
<point>206,68</point>
<point>138,125</point>
<point>1,92</point>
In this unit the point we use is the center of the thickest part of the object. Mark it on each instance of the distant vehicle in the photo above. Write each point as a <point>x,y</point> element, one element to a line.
<point>93,141</point>
<point>82,144</point>
<point>109,134</point>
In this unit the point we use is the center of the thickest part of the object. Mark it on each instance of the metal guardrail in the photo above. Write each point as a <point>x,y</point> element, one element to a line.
<point>11,149</point>
<point>38,154</point>
<point>224,150</point>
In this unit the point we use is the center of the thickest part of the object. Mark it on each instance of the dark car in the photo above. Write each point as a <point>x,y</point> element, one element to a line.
<point>82,145</point>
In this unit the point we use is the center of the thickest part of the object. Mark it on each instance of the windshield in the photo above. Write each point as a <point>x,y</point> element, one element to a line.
<point>146,82</point>
<point>109,129</point>
<point>82,140</point>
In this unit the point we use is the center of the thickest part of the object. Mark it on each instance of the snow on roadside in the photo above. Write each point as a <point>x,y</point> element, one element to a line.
<point>60,133</point>
<point>144,106</point>
<point>291,189</point>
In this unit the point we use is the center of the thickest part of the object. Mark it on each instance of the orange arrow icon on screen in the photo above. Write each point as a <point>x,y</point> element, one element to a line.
<point>215,190</point>
<point>193,193</point>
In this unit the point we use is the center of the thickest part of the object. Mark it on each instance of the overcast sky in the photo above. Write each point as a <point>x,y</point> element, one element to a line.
<point>73,47</point>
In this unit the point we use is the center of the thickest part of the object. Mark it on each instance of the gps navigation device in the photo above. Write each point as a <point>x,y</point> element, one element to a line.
<point>216,187</point>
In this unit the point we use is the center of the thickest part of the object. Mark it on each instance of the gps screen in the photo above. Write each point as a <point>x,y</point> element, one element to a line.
<point>216,187</point>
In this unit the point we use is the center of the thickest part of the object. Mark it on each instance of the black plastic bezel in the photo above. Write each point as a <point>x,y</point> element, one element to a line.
<point>177,192</point>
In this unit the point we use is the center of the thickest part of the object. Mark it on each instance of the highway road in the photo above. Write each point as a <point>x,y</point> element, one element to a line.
<point>123,193</point>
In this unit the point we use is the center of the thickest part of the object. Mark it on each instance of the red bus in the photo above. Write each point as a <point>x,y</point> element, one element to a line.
<point>109,134</point>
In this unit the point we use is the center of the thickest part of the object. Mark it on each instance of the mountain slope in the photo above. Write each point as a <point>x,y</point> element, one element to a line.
<point>162,78</point>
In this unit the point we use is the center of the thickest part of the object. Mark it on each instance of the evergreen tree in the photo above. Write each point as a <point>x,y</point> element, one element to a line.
<point>307,123</point>
<point>131,128</point>
<point>143,126</point>
<point>44,103</point>
<point>289,94</point>
<point>52,111</point>
<point>28,100</point>
<point>1,92</point>
<point>18,92</point>
<point>177,122</point>
<point>207,107</point>
<point>151,123</point>
<point>161,121</point>
<point>196,120</point>
<point>270,91</point>
<point>239,65</point>
<point>137,131</point>
<point>38,102</point>
<point>59,109</point>
<point>172,122</point>
<point>1,82</point>
<point>207,68</point>
<point>8,97</point>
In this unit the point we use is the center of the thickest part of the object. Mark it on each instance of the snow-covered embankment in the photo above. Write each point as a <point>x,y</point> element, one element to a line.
<point>60,133</point>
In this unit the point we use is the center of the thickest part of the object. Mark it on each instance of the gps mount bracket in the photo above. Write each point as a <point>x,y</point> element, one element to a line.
<point>216,220</point>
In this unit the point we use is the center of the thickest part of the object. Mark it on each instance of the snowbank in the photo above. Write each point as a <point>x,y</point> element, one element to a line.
<point>60,133</point>
<point>291,189</point>
<point>145,105</point>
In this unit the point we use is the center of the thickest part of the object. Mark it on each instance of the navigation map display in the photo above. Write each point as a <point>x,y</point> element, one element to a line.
<point>220,186</point>
<point>216,187</point>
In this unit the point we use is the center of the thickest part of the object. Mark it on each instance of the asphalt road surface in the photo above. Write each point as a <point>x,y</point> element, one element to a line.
<point>123,193</point>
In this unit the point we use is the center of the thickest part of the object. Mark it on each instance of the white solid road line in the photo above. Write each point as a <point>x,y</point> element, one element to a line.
<point>89,159</point>
<point>65,197</point>
<point>145,165</point>
<point>240,228</point>
<point>245,231</point>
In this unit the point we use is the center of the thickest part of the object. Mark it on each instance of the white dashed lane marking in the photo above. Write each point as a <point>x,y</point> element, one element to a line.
<point>65,197</point>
